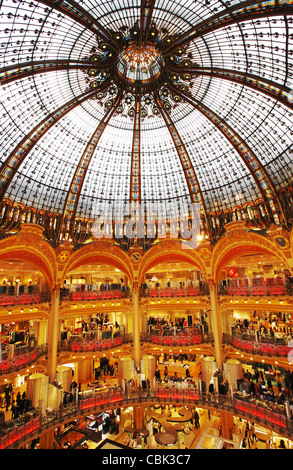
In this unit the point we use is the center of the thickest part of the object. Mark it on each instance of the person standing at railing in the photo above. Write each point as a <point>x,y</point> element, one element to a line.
<point>269,384</point>
<point>279,380</point>
<point>282,444</point>
<point>165,373</point>
<point>8,400</point>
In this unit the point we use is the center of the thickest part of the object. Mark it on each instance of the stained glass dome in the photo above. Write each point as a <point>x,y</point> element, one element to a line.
<point>163,103</point>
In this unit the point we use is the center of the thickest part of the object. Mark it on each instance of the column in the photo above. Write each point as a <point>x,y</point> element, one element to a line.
<point>216,322</point>
<point>136,325</point>
<point>227,423</point>
<point>144,323</point>
<point>53,334</point>
<point>47,440</point>
<point>138,416</point>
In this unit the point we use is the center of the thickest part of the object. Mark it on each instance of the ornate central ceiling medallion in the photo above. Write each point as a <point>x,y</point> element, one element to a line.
<point>145,64</point>
<point>140,63</point>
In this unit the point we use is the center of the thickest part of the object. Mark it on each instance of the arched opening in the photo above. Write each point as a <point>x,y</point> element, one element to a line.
<point>174,302</point>
<point>24,296</point>
<point>253,271</point>
<point>254,288</point>
<point>23,264</point>
<point>93,291</point>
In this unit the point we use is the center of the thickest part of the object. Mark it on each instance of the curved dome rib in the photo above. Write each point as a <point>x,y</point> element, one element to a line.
<point>190,176</point>
<point>146,12</point>
<point>28,69</point>
<point>80,15</point>
<point>249,158</point>
<point>238,13</point>
<point>257,83</point>
<point>73,195</point>
<point>135,183</point>
<point>14,160</point>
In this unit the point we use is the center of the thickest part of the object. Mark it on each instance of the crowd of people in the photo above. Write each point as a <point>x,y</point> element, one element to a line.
<point>96,328</point>
<point>266,326</point>
<point>72,288</point>
<point>164,326</point>
<point>17,402</point>
<point>272,385</point>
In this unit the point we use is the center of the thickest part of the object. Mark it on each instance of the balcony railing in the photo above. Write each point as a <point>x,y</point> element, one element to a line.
<point>24,299</point>
<point>79,344</point>
<point>180,339</point>
<point>32,424</point>
<point>168,292</point>
<point>174,292</point>
<point>257,291</point>
<point>25,358</point>
<point>95,295</point>
<point>25,355</point>
<point>264,347</point>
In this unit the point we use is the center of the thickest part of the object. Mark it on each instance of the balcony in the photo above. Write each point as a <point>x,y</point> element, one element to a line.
<point>23,357</point>
<point>174,292</point>
<point>182,339</point>
<point>80,296</point>
<point>77,343</point>
<point>257,290</point>
<point>264,346</point>
<point>24,299</point>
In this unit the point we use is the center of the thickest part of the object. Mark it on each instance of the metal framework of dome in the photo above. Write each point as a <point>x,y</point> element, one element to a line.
<point>110,105</point>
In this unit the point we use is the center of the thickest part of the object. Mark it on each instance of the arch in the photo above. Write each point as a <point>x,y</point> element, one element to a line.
<point>101,251</point>
<point>30,255</point>
<point>239,240</point>
<point>166,251</point>
<point>29,245</point>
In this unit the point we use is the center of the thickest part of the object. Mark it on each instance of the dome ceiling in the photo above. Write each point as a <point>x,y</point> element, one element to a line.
<point>106,103</point>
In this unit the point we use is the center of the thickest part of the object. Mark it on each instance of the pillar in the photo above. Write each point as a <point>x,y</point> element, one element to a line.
<point>138,416</point>
<point>37,389</point>
<point>233,372</point>
<point>227,423</point>
<point>42,332</point>
<point>144,323</point>
<point>85,370</point>
<point>216,322</point>
<point>172,316</point>
<point>53,334</point>
<point>64,376</point>
<point>47,440</point>
<point>136,325</point>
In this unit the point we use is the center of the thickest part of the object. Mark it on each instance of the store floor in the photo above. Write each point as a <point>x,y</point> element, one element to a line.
<point>189,440</point>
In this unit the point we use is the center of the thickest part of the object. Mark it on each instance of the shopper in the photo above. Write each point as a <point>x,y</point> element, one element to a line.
<point>253,434</point>
<point>279,381</point>
<point>196,419</point>
<point>8,401</point>
<point>14,410</point>
<point>165,373</point>
<point>282,444</point>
